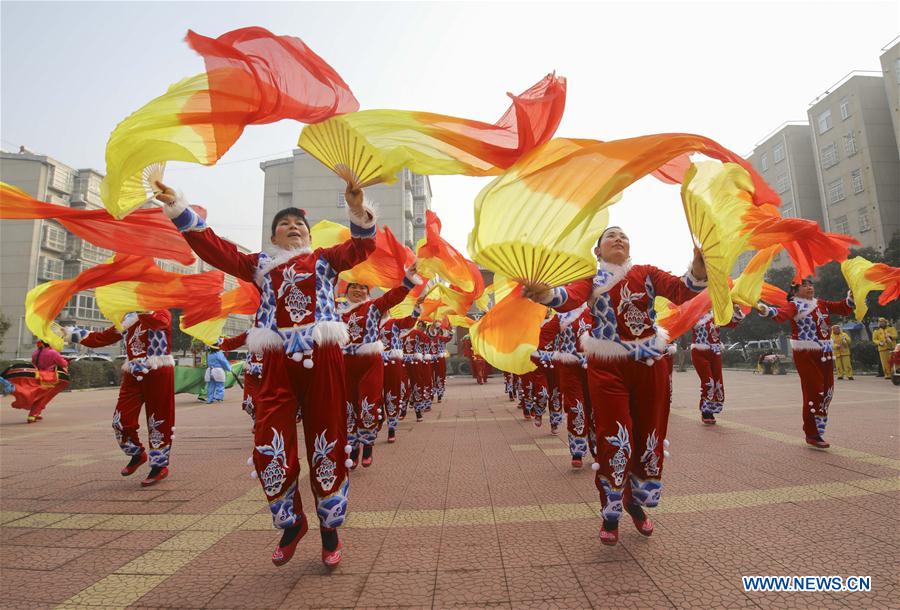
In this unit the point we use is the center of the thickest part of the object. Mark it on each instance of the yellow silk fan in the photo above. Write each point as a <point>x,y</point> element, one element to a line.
<point>350,155</point>
<point>716,197</point>
<point>140,187</point>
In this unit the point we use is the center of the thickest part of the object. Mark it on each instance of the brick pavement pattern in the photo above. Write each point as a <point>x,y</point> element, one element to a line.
<point>473,507</point>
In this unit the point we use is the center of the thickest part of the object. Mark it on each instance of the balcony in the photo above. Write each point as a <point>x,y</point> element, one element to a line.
<point>408,205</point>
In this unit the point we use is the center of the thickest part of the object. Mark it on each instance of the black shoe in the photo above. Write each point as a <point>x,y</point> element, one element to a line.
<point>354,456</point>
<point>850,378</point>
<point>708,418</point>
<point>840,377</point>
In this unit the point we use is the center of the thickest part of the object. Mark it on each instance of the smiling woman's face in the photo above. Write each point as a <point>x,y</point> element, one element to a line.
<point>291,233</point>
<point>614,246</point>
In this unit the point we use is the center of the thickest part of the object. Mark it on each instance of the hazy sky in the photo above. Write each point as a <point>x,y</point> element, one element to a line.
<point>731,71</point>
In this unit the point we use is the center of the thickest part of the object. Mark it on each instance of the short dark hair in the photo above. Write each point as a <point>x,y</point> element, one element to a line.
<point>291,211</point>
<point>599,239</point>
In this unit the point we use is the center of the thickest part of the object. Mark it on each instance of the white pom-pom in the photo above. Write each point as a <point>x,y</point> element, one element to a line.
<point>595,466</point>
<point>348,463</point>
<point>810,403</point>
<point>173,428</point>
<point>649,361</point>
<point>296,356</point>
<point>172,437</point>
<point>666,443</point>
<point>824,359</point>
<point>141,378</point>
<point>253,474</point>
<point>665,453</point>
<point>308,364</point>
<point>812,410</point>
<point>348,449</point>
<point>584,365</point>
<point>250,461</point>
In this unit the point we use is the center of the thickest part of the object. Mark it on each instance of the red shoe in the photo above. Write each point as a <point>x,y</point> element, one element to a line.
<point>609,537</point>
<point>283,554</point>
<point>392,439</point>
<point>817,442</point>
<point>554,429</point>
<point>155,477</point>
<point>332,558</point>
<point>527,416</point>
<point>644,526</point>
<point>708,418</point>
<point>576,463</point>
<point>136,462</point>
<point>367,456</point>
<point>538,421</point>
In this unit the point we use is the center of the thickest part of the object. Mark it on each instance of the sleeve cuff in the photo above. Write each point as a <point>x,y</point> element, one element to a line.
<point>558,296</point>
<point>692,282</point>
<point>362,225</point>
<point>770,311</point>
<point>851,302</point>
<point>417,311</point>
<point>129,320</point>
<point>75,334</point>
<point>183,217</point>
<point>411,280</point>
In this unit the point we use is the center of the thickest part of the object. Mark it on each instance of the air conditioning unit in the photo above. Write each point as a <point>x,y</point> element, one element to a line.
<point>419,221</point>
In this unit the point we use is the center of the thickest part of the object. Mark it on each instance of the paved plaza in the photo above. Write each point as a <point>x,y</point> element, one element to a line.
<point>473,507</point>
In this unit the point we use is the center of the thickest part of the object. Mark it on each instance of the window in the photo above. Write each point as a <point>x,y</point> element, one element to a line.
<point>778,153</point>
<point>782,183</point>
<point>841,225</point>
<point>788,212</point>
<point>845,109</point>
<point>62,179</point>
<point>86,308</point>
<point>856,181</point>
<point>93,253</point>
<point>836,190</point>
<point>824,121</point>
<point>850,144</point>
<point>341,201</point>
<point>54,238</point>
<point>863,217</point>
<point>765,162</point>
<point>50,268</point>
<point>829,156</point>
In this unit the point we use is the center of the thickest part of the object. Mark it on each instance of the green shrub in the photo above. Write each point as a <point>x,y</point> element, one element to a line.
<point>92,374</point>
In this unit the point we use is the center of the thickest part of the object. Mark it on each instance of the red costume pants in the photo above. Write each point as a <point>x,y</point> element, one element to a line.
<point>320,392</point>
<point>252,384</point>
<point>395,382</point>
<point>156,390</point>
<point>631,413</point>
<point>708,365</point>
<point>817,382</point>
<point>420,381</point>
<point>578,416</point>
<point>365,385</point>
<point>440,376</point>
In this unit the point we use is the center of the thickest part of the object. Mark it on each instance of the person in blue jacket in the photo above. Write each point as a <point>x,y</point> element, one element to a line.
<point>216,367</point>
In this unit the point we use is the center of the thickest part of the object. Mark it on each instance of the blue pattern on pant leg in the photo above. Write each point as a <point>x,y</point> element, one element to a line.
<point>578,446</point>
<point>613,509</point>
<point>646,493</point>
<point>160,457</point>
<point>283,515</point>
<point>332,509</point>
<point>555,418</point>
<point>365,436</point>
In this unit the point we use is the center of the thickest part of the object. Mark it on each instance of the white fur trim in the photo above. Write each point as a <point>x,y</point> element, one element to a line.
<point>173,210</point>
<point>279,256</point>
<point>367,349</point>
<point>602,349</point>
<point>330,333</point>
<point>415,278</point>
<point>415,357</point>
<point>702,347</point>
<point>565,358</point>
<point>130,319</point>
<point>152,362</point>
<point>263,339</point>
<point>805,307</point>
<point>693,280</point>
<point>618,272</point>
<point>395,354</point>
<point>806,346</point>
<point>67,334</point>
<point>672,349</point>
<point>368,220</point>
<point>704,319</point>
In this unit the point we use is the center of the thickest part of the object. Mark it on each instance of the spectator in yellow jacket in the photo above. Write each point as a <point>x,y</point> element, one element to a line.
<point>841,341</point>
<point>885,338</point>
